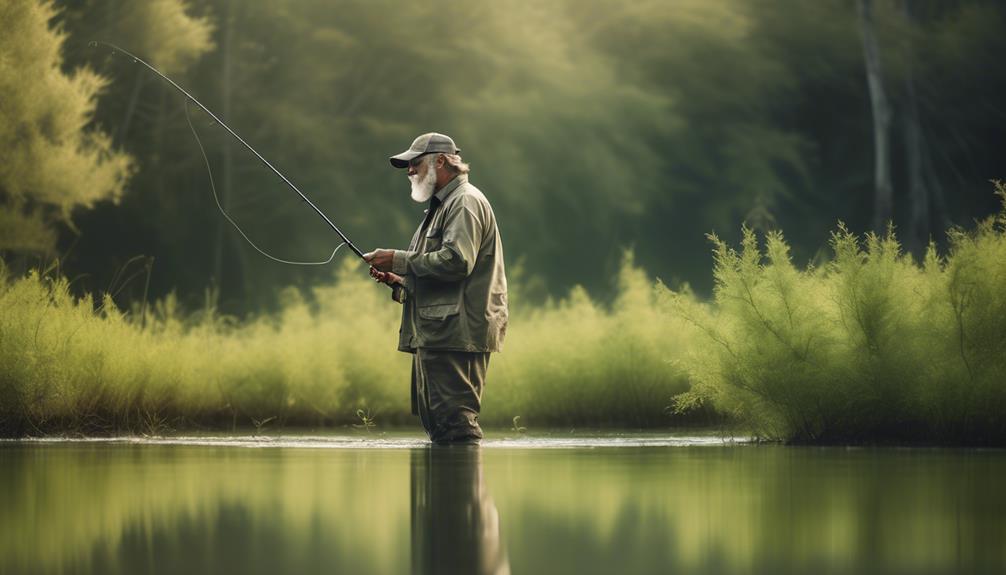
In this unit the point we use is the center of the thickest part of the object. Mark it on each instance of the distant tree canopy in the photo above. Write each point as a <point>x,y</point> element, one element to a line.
<point>161,30</point>
<point>591,125</point>
<point>50,163</point>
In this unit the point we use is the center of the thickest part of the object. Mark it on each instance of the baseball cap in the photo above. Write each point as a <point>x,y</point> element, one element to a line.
<point>425,144</point>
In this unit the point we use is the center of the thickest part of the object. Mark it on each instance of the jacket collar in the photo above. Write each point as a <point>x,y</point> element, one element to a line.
<point>452,185</point>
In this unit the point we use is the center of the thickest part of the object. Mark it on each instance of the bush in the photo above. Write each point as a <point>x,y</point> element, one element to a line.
<point>578,363</point>
<point>71,366</point>
<point>871,347</point>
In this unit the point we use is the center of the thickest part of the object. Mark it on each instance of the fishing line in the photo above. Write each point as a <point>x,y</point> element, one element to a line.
<point>190,97</point>
<point>216,198</point>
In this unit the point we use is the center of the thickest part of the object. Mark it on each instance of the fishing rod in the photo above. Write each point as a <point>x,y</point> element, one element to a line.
<point>190,97</point>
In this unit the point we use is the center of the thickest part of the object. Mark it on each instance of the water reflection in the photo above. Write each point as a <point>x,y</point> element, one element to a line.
<point>73,508</point>
<point>455,524</point>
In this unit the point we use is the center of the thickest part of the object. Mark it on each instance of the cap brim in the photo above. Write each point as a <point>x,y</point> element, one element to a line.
<point>402,160</point>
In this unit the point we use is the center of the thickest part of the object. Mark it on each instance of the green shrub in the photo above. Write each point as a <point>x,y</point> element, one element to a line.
<point>69,368</point>
<point>578,363</point>
<point>871,347</point>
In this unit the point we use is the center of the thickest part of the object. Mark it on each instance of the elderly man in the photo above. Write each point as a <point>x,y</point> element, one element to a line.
<point>452,285</point>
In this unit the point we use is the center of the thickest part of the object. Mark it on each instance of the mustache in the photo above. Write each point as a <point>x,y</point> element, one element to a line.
<point>417,179</point>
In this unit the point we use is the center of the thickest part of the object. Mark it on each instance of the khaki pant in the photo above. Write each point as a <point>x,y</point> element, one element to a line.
<point>447,393</point>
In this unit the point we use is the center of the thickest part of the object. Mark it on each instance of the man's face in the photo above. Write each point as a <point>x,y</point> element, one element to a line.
<point>423,176</point>
<point>418,166</point>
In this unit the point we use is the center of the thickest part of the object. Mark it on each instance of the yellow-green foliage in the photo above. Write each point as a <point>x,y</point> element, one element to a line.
<point>67,367</point>
<point>872,346</point>
<point>576,362</point>
<point>320,359</point>
<point>161,30</point>
<point>50,164</point>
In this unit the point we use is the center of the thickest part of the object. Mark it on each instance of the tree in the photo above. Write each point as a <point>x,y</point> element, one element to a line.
<point>593,125</point>
<point>51,162</point>
<point>160,31</point>
<point>925,196</point>
<point>146,117</point>
<point>883,188</point>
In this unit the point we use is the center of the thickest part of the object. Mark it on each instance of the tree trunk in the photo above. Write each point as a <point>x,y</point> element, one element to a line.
<point>160,126</point>
<point>928,209</point>
<point>918,189</point>
<point>218,245</point>
<point>120,137</point>
<point>227,169</point>
<point>883,199</point>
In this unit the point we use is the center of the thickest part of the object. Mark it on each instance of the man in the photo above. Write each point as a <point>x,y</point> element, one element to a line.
<point>452,285</point>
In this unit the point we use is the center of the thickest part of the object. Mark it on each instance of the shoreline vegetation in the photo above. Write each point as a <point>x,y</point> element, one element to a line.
<point>870,347</point>
<point>326,358</point>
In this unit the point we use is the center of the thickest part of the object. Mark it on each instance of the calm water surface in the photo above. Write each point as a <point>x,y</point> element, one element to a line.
<point>390,504</point>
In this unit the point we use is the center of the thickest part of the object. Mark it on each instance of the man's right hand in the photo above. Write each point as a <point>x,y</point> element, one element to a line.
<point>380,259</point>
<point>386,277</point>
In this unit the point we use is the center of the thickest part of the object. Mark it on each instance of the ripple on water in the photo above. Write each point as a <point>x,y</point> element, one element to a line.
<point>404,442</point>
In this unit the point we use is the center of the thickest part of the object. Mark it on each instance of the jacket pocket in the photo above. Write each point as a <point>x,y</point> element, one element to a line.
<point>434,240</point>
<point>438,311</point>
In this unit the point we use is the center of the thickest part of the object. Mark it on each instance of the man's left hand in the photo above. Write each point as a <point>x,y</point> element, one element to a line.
<point>380,259</point>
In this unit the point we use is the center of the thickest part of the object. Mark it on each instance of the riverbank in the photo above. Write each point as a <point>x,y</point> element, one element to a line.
<point>326,359</point>
<point>872,347</point>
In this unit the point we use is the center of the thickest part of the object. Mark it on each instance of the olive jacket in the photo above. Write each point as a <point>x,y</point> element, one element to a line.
<point>455,292</point>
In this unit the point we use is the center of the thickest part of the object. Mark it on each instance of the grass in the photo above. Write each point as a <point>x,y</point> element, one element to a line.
<point>78,366</point>
<point>871,347</point>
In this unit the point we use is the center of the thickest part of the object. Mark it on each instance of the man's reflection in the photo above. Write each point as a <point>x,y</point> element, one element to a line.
<point>455,524</point>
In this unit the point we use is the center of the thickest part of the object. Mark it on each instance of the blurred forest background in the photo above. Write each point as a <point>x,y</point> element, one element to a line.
<point>593,126</point>
<point>611,138</point>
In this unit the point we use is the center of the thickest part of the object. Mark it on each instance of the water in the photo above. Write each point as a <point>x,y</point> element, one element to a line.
<point>564,504</point>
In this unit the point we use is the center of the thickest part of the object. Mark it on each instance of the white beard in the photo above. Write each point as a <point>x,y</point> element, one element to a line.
<point>422,188</point>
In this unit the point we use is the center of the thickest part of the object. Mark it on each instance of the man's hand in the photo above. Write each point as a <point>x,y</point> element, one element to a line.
<point>386,277</point>
<point>380,259</point>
